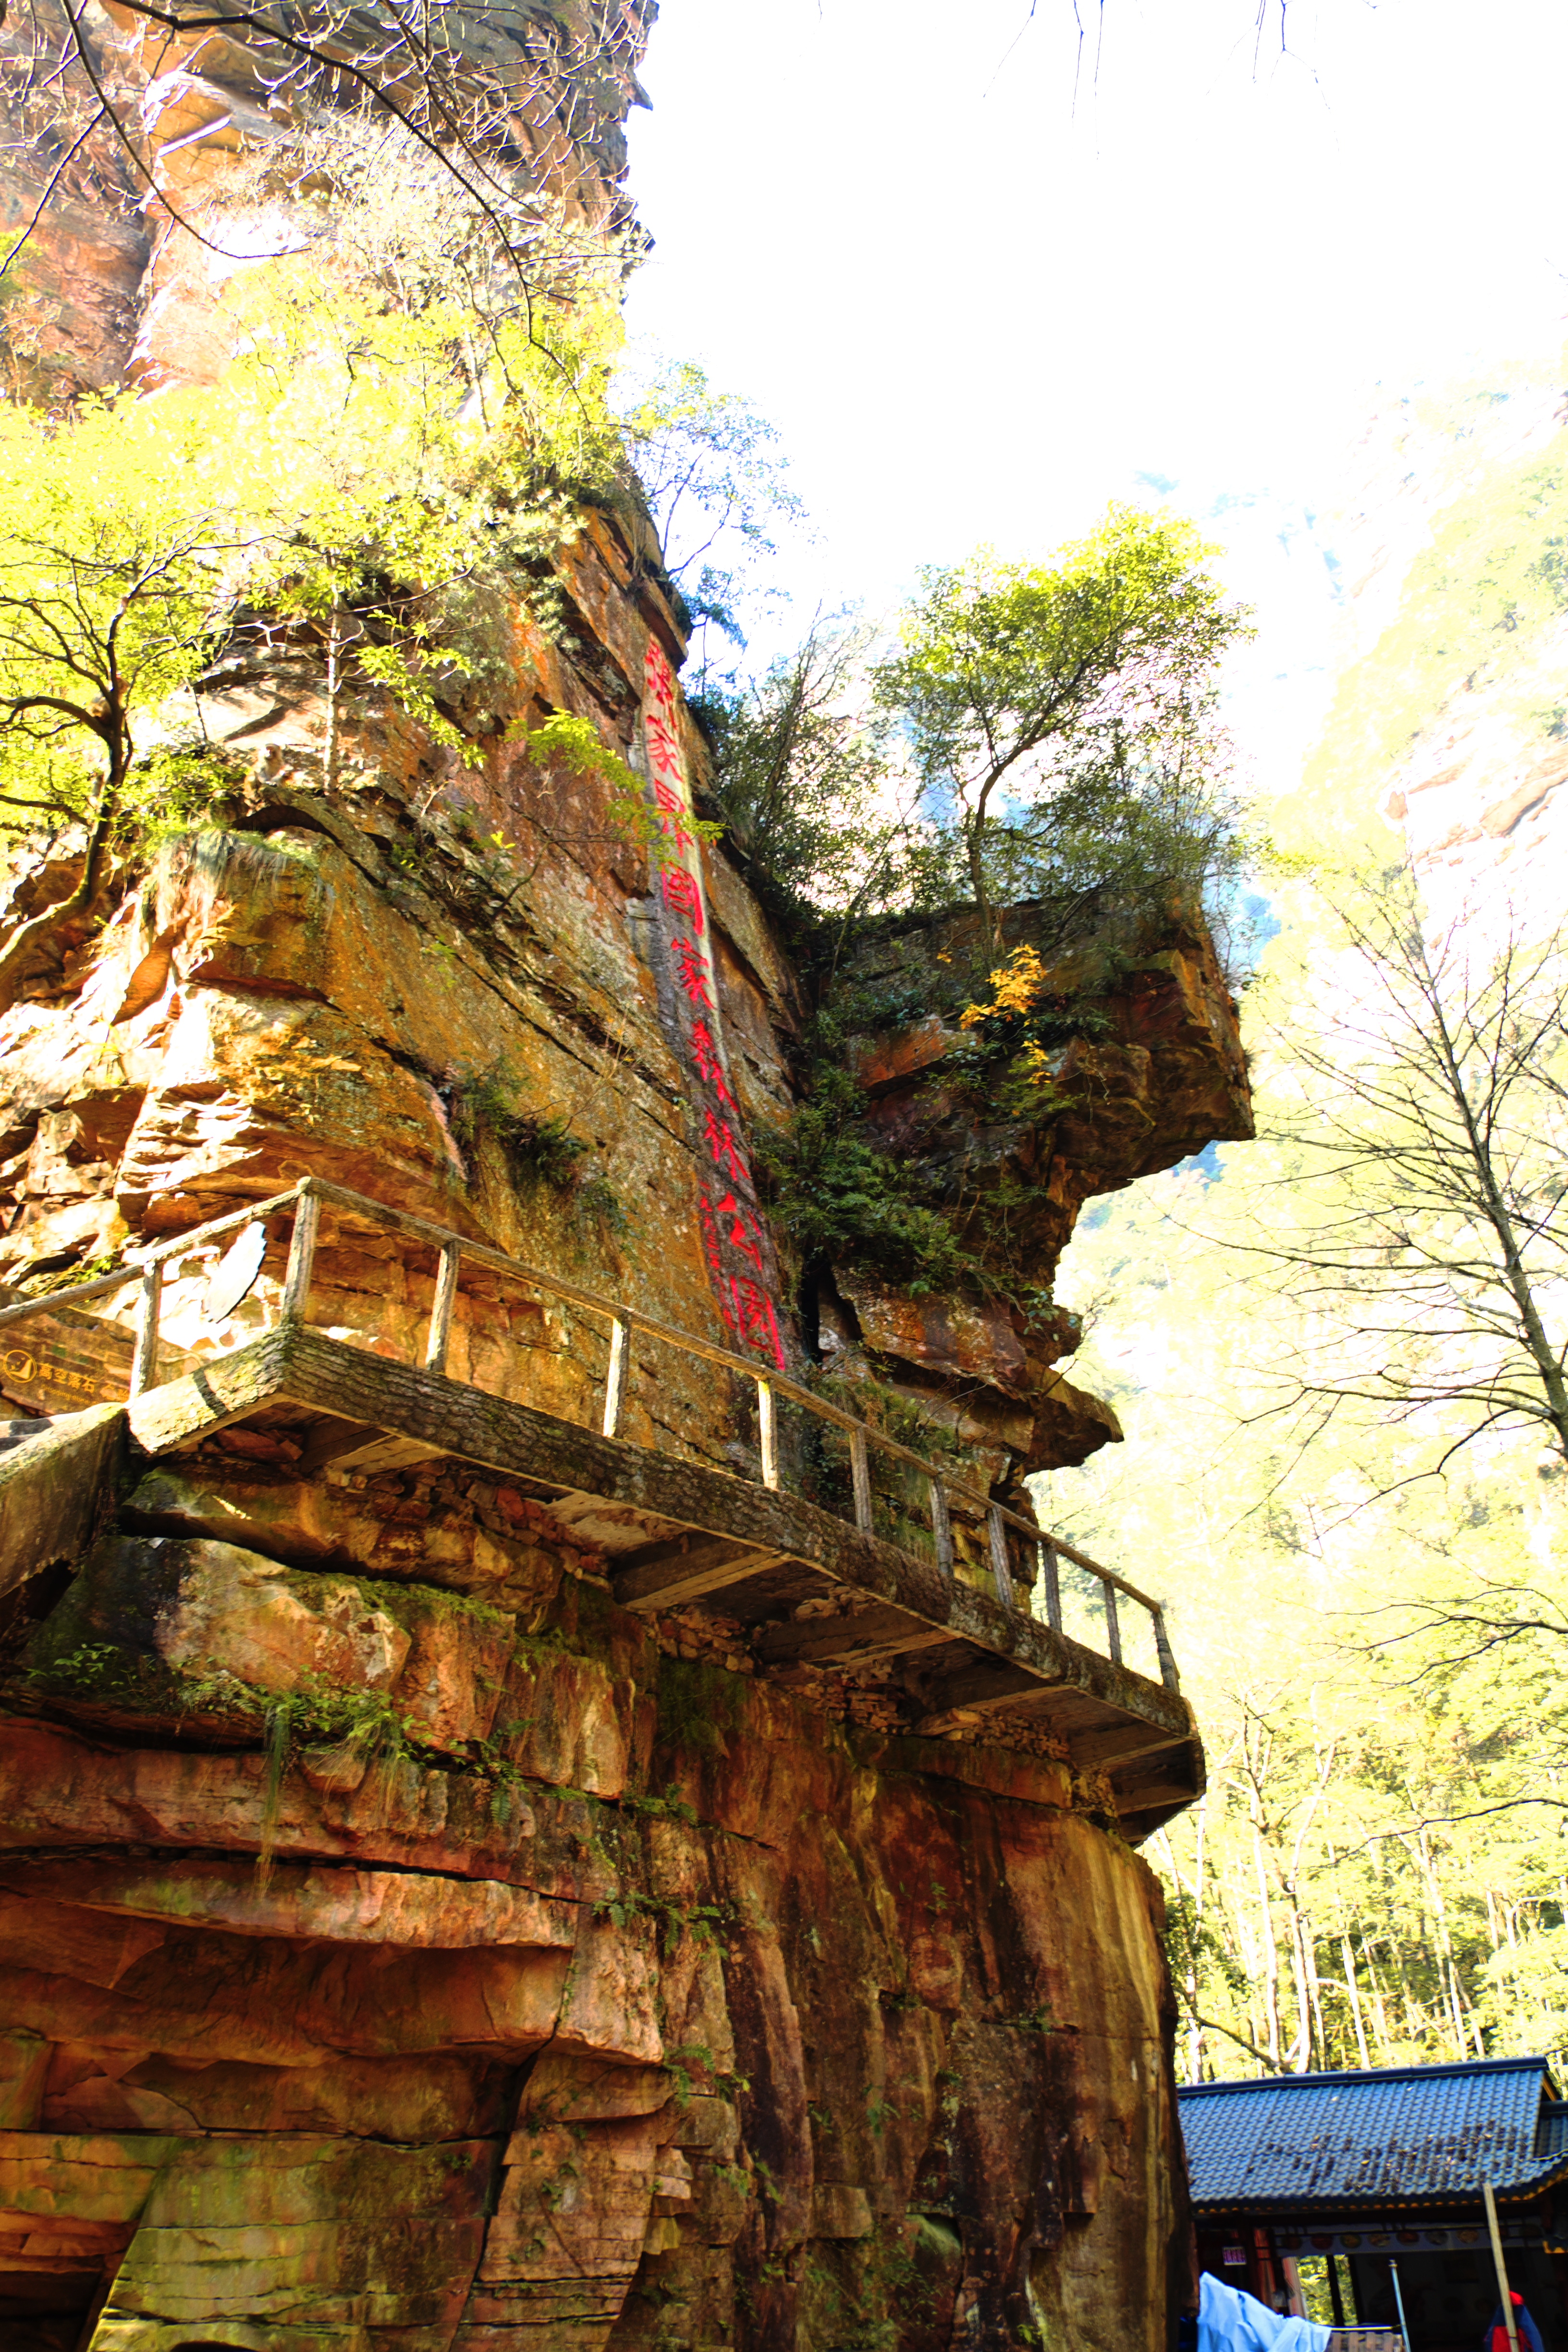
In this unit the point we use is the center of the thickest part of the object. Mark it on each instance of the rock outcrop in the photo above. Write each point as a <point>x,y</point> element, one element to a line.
<point>1153,1071</point>
<point>405,1946</point>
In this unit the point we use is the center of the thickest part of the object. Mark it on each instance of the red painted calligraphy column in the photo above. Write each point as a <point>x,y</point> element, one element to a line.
<point>735,1240</point>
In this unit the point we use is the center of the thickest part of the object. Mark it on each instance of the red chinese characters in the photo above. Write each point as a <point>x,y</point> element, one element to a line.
<point>672,819</point>
<point>658,679</point>
<point>692,973</point>
<point>664,752</point>
<point>683,894</point>
<point>755,1320</point>
<point>740,1233</point>
<point>721,1138</point>
<point>715,1257</point>
<point>705,1053</point>
<point>733,1240</point>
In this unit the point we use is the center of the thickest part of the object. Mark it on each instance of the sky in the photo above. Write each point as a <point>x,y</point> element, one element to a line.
<point>983,277</point>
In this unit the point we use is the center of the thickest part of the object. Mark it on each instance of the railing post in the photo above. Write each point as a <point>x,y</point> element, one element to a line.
<point>302,1257</point>
<point>616,1374</point>
<point>767,1432</point>
<point>1001,1566</point>
<point>942,1528</point>
<point>1112,1622</point>
<point>1053,1578</point>
<point>1164,1653</point>
<point>441,1311</point>
<point>860,1474</point>
<point>144,1363</point>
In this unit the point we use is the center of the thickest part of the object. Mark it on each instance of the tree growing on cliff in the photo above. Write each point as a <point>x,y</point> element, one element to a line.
<point>336,499</point>
<point>1061,719</point>
<point>805,782</point>
<point>709,470</point>
<point>109,581</point>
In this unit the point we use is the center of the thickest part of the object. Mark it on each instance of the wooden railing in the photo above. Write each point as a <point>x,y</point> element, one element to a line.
<point>307,1199</point>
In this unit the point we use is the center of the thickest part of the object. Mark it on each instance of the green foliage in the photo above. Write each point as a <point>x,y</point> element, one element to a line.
<point>351,486</point>
<point>805,782</point>
<point>835,1196</point>
<point>709,467</point>
<point>1060,720</point>
<point>579,746</point>
<point>537,1147</point>
<point>676,1919</point>
<point>1012,1060</point>
<point>111,578</point>
<point>537,1150</point>
<point>378,482</point>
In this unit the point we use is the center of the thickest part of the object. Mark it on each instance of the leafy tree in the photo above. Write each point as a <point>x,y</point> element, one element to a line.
<point>805,782</point>
<point>110,577</point>
<point>1060,717</point>
<point>339,496</point>
<point>709,467</point>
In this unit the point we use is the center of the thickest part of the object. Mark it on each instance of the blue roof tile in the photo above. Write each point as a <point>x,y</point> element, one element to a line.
<point>1402,2136</point>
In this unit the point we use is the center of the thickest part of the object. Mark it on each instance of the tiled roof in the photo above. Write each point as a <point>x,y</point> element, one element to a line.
<point>1404,2135</point>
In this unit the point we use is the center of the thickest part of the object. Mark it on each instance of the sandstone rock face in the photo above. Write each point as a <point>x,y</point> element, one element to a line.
<point>139,240</point>
<point>403,1946</point>
<point>777,2038</point>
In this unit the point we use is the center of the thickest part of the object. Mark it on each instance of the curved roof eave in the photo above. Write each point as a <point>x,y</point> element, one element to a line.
<point>1506,2192</point>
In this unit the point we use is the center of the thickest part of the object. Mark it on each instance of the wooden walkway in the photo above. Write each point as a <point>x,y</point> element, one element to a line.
<point>679,1534</point>
<point>692,1535</point>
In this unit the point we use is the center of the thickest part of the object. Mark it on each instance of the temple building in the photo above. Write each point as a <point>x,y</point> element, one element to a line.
<point>1380,2178</point>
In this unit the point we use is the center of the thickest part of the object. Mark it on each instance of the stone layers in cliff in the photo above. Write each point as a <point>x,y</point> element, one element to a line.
<point>584,1988</point>
<point>406,1948</point>
<point>578,1994</point>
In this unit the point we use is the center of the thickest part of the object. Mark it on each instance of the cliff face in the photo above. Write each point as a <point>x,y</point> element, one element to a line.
<point>411,1937</point>
<point>698,2026</point>
<point>143,227</point>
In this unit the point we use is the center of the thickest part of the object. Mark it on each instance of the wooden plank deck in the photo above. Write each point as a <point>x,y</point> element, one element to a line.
<point>687,1535</point>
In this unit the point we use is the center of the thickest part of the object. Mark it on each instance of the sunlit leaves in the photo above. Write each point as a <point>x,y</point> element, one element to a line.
<point>1061,715</point>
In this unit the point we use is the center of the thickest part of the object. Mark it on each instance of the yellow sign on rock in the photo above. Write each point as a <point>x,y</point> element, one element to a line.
<point>61,1360</point>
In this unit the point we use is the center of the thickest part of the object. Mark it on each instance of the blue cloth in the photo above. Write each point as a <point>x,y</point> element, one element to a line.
<point>1529,2333</point>
<point>1229,2321</point>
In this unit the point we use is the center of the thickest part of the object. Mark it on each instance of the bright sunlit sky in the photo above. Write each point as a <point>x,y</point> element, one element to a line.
<point>983,281</point>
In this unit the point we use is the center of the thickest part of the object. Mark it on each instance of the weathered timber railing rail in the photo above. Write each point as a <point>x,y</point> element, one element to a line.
<point>307,1199</point>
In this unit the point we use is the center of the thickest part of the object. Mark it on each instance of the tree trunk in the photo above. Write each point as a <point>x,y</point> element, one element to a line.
<point>19,949</point>
<point>1354,1991</point>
